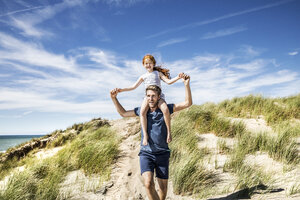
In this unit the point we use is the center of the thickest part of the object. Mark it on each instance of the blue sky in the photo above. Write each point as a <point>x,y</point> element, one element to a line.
<point>59,59</point>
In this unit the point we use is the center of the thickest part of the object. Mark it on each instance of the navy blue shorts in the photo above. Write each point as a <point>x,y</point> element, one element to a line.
<point>159,162</point>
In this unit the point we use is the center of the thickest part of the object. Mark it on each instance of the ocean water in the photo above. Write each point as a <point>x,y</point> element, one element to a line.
<point>7,141</point>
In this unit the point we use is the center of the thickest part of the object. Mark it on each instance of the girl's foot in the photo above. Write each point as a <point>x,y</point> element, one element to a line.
<point>169,138</point>
<point>145,140</point>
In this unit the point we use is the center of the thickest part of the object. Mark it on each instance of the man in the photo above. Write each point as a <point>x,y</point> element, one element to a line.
<point>155,155</point>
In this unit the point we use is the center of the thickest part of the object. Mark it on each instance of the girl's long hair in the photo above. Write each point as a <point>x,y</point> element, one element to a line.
<point>164,71</point>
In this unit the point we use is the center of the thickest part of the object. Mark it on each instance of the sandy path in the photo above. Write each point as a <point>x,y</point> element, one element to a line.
<point>127,183</point>
<point>126,174</point>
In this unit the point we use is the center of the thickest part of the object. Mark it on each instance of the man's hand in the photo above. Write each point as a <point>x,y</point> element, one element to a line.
<point>114,92</point>
<point>186,79</point>
<point>183,76</point>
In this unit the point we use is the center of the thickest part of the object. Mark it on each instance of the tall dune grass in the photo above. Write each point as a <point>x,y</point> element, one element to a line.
<point>94,151</point>
<point>189,176</point>
<point>205,119</point>
<point>274,110</point>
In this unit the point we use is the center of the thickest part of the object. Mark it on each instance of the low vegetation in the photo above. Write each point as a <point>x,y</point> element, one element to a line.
<point>93,150</point>
<point>274,110</point>
<point>281,114</point>
<point>93,147</point>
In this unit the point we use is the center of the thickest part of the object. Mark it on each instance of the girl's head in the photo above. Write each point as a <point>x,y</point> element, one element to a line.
<point>150,57</point>
<point>149,63</point>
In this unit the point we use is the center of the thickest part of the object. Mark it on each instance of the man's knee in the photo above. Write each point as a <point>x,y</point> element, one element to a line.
<point>163,185</point>
<point>149,184</point>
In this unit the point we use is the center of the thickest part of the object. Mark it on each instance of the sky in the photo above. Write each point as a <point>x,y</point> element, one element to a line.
<point>60,58</point>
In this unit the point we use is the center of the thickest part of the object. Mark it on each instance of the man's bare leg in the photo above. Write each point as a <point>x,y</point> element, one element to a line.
<point>149,185</point>
<point>163,188</point>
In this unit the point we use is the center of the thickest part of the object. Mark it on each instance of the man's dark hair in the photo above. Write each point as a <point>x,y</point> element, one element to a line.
<point>154,88</point>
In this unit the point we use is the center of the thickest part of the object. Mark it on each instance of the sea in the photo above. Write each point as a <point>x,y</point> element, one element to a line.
<point>7,141</point>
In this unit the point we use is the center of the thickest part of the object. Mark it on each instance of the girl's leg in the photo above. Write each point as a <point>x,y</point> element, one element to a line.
<point>164,108</point>
<point>143,117</point>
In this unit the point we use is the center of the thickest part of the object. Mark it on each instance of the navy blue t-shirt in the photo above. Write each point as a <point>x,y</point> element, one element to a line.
<point>157,131</point>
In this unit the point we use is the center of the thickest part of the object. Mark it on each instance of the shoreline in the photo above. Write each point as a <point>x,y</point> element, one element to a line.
<point>10,141</point>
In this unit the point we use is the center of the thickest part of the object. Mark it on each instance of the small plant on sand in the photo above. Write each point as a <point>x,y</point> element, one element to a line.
<point>295,189</point>
<point>222,147</point>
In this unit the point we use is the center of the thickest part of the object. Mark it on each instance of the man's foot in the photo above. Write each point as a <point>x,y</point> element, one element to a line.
<point>169,138</point>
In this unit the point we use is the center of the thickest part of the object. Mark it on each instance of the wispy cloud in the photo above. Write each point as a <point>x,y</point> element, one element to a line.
<point>21,11</point>
<point>83,87</point>
<point>31,53</point>
<point>250,51</point>
<point>218,77</point>
<point>125,3</point>
<point>254,65</point>
<point>209,21</point>
<point>223,32</point>
<point>46,82</point>
<point>17,116</point>
<point>171,41</point>
<point>293,53</point>
<point>28,22</point>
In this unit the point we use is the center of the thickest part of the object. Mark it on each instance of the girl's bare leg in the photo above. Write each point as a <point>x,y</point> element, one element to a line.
<point>143,117</point>
<point>164,108</point>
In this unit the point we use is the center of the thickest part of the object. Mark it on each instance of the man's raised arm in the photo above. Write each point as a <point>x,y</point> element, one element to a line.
<point>188,95</point>
<point>119,107</point>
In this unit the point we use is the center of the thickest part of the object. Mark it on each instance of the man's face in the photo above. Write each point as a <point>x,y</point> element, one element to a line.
<point>152,98</point>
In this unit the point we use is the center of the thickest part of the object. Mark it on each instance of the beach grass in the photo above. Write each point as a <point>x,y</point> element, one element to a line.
<point>94,151</point>
<point>275,110</point>
<point>189,175</point>
<point>93,148</point>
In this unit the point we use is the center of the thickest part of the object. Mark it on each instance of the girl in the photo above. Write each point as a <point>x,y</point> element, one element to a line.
<point>152,77</point>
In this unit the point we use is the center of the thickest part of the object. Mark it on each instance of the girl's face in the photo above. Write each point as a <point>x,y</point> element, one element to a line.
<point>149,65</point>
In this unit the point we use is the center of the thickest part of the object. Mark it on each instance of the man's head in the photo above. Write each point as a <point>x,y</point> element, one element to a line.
<point>153,95</point>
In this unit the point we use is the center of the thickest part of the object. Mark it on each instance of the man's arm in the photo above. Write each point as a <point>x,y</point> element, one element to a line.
<point>119,107</point>
<point>188,95</point>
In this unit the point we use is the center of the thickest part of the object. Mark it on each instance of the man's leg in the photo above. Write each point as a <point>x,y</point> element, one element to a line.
<point>150,187</point>
<point>163,188</point>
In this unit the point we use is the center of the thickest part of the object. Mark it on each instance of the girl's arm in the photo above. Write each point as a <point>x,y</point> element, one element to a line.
<point>169,81</point>
<point>134,86</point>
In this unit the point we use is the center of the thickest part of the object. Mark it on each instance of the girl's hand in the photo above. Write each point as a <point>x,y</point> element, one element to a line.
<point>119,89</point>
<point>180,75</point>
<point>184,76</point>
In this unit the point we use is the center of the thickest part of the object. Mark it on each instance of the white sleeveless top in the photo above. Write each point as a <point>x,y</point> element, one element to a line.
<point>152,78</point>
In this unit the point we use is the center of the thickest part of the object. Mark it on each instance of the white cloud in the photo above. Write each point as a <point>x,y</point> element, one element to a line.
<point>253,65</point>
<point>293,53</point>
<point>32,53</point>
<point>28,22</point>
<point>213,20</point>
<point>21,10</point>
<point>70,87</point>
<point>125,3</point>
<point>80,83</point>
<point>171,41</point>
<point>224,32</point>
<point>17,99</point>
<point>250,51</point>
<point>218,77</point>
